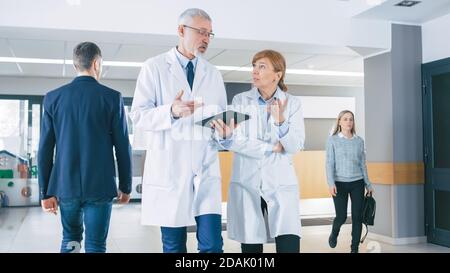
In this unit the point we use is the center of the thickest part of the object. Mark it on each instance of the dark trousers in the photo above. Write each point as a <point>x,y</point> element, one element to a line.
<point>288,243</point>
<point>95,214</point>
<point>209,235</point>
<point>356,191</point>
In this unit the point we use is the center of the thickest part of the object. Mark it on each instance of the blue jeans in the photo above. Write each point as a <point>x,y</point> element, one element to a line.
<point>95,214</point>
<point>209,236</point>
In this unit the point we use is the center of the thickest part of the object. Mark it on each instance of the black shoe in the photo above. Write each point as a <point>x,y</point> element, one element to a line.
<point>332,241</point>
<point>354,250</point>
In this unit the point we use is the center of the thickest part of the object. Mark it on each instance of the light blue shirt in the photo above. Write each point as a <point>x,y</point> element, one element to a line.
<point>183,60</point>
<point>282,129</point>
<point>346,160</point>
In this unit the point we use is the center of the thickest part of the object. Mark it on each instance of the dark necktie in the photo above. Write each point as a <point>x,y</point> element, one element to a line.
<point>190,73</point>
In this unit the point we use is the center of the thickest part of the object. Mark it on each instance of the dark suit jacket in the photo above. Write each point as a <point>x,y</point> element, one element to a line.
<point>84,120</point>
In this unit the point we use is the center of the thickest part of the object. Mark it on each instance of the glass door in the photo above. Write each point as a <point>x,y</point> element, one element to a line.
<point>19,139</point>
<point>138,158</point>
<point>436,110</point>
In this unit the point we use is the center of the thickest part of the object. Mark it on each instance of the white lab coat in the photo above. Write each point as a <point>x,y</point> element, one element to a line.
<point>181,177</point>
<point>257,174</point>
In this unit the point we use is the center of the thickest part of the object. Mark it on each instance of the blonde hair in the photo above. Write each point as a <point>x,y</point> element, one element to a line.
<point>278,63</point>
<point>337,127</point>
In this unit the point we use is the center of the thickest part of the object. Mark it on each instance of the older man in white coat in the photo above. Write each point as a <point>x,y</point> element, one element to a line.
<point>181,183</point>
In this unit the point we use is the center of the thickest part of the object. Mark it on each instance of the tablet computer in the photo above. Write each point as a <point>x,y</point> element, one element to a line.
<point>226,116</point>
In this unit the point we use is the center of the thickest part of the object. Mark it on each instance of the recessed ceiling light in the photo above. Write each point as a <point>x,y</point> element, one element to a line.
<point>223,68</point>
<point>30,60</point>
<point>324,73</point>
<point>122,64</point>
<point>374,2</point>
<point>299,71</point>
<point>407,4</point>
<point>73,2</point>
<point>60,61</point>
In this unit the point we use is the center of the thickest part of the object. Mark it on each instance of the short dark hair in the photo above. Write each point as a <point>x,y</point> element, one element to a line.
<point>84,55</point>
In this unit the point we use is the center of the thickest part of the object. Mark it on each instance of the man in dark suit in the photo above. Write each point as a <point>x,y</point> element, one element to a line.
<point>84,120</point>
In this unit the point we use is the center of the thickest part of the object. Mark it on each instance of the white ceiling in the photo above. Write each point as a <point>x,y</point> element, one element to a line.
<point>345,60</point>
<point>37,41</point>
<point>422,12</point>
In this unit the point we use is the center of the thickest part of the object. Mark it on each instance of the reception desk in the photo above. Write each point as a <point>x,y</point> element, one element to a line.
<point>311,174</point>
<point>309,166</point>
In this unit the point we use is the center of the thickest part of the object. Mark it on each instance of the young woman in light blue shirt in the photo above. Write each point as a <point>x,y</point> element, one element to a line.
<point>346,176</point>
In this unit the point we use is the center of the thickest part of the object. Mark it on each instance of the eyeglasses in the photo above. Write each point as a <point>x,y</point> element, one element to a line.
<point>202,32</point>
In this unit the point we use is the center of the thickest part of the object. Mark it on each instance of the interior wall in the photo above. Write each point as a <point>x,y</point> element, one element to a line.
<point>435,41</point>
<point>317,130</point>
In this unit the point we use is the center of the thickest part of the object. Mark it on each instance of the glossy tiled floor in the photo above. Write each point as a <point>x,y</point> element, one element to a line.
<point>31,230</point>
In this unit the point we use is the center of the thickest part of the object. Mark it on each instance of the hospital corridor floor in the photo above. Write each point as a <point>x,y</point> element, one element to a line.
<point>30,230</point>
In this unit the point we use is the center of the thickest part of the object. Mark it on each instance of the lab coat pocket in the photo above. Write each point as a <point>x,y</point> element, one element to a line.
<point>289,177</point>
<point>157,171</point>
<point>285,171</point>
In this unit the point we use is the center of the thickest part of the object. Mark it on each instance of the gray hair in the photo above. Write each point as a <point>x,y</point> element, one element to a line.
<point>187,15</point>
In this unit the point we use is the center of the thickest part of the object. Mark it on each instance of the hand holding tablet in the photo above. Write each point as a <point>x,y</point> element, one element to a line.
<point>225,122</point>
<point>226,117</point>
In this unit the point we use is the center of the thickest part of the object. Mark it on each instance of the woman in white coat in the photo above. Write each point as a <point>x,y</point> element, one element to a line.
<point>263,200</point>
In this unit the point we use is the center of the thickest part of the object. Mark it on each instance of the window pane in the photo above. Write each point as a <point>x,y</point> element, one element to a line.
<point>442,205</point>
<point>13,139</point>
<point>129,123</point>
<point>14,126</point>
<point>35,133</point>
<point>441,122</point>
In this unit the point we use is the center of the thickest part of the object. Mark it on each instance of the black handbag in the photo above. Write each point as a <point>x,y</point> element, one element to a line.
<point>368,213</point>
